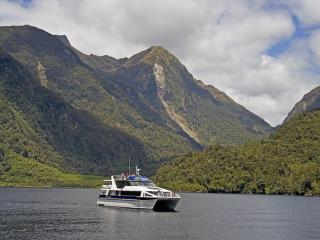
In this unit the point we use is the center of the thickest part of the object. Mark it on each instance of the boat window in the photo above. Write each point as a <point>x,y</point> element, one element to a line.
<point>122,183</point>
<point>153,193</point>
<point>142,183</point>
<point>130,193</point>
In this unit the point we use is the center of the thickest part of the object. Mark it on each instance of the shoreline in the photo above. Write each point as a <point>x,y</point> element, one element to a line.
<point>75,187</point>
<point>222,193</point>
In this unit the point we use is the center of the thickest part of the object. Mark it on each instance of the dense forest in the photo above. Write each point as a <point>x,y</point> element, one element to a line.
<point>287,162</point>
<point>19,171</point>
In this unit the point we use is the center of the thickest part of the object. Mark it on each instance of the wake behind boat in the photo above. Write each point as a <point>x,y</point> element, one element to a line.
<point>135,191</point>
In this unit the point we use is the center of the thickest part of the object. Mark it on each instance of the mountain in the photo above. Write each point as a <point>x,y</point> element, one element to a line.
<point>309,102</point>
<point>38,124</point>
<point>89,114</point>
<point>287,162</point>
<point>204,113</point>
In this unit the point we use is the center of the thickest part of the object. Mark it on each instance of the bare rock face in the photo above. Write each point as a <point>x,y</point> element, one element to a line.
<point>310,102</point>
<point>42,75</point>
<point>161,88</point>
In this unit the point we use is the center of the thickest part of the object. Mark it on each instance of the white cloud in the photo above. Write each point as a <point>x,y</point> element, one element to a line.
<point>222,42</point>
<point>306,10</point>
<point>314,42</point>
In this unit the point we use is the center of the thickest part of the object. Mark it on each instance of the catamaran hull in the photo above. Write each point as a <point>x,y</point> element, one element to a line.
<point>166,204</point>
<point>156,204</point>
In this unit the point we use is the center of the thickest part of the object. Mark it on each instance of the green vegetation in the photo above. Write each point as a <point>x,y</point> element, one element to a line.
<point>208,112</point>
<point>287,162</point>
<point>17,171</point>
<point>86,114</point>
<point>124,124</point>
<point>36,123</point>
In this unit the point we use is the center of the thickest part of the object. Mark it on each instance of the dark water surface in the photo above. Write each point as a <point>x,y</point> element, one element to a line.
<point>51,213</point>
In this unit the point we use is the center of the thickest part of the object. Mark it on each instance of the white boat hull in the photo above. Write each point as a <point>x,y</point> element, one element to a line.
<point>157,204</point>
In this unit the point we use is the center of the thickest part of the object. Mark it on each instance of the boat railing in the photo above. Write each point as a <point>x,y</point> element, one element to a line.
<point>161,194</point>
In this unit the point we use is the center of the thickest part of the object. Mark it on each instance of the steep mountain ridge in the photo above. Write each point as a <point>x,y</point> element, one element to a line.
<point>309,102</point>
<point>92,91</point>
<point>43,126</point>
<point>158,75</point>
<point>149,102</point>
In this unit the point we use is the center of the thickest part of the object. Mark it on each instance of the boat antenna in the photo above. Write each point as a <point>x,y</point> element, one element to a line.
<point>129,163</point>
<point>137,171</point>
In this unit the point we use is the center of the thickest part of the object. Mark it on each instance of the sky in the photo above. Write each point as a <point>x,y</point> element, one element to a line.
<point>265,54</point>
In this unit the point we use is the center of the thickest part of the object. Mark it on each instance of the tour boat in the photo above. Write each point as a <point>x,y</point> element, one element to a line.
<point>135,191</point>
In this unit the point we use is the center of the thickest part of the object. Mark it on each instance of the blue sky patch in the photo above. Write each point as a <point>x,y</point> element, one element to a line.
<point>281,46</point>
<point>24,3</point>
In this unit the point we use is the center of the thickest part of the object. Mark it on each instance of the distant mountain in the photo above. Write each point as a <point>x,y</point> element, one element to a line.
<point>287,162</point>
<point>88,113</point>
<point>309,102</point>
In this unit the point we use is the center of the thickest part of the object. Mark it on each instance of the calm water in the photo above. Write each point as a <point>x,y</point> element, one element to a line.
<point>72,214</point>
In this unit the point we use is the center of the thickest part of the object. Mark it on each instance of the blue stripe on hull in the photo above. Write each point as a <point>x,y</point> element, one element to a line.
<point>126,197</point>
<point>138,202</point>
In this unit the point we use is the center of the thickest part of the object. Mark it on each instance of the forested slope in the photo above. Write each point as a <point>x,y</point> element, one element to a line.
<point>287,162</point>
